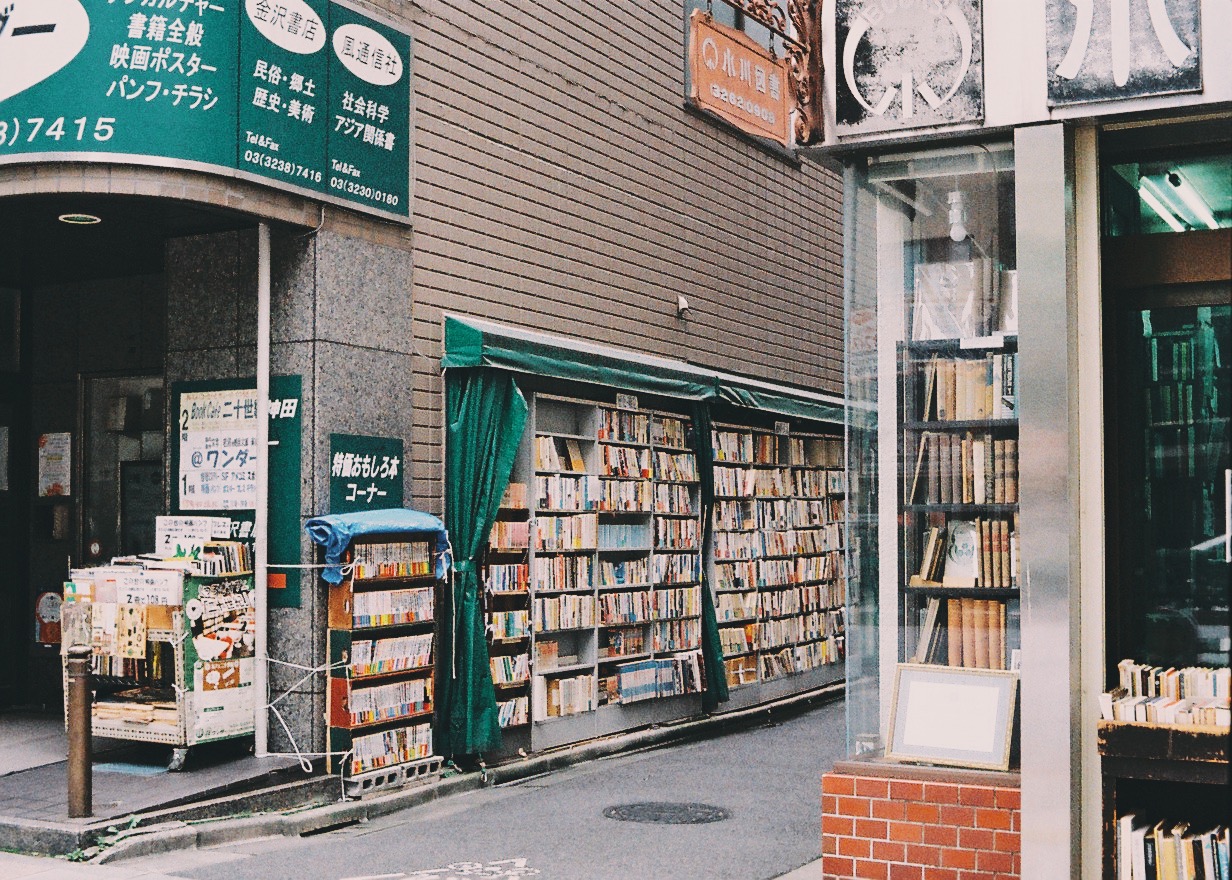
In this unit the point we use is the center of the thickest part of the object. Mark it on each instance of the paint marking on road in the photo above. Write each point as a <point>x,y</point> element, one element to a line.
<point>504,869</point>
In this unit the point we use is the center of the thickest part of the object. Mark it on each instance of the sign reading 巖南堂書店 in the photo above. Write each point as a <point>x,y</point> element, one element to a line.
<point>307,94</point>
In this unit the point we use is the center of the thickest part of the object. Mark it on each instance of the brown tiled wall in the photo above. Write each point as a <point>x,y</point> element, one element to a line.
<point>897,829</point>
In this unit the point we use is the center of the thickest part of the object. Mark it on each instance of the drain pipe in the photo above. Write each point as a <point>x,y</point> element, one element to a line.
<point>261,525</point>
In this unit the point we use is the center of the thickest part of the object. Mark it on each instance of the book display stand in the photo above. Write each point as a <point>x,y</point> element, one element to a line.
<point>381,635</point>
<point>173,652</point>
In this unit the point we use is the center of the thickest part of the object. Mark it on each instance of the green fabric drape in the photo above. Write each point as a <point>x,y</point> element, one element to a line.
<point>712,648</point>
<point>486,414</point>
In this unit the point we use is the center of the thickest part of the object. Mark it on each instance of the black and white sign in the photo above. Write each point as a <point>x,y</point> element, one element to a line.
<point>1107,50</point>
<point>905,64</point>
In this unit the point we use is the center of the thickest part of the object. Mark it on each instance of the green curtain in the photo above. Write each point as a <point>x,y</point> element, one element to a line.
<point>486,414</point>
<point>712,648</point>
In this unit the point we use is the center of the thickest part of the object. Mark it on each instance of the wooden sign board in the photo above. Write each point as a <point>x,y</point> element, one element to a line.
<point>734,77</point>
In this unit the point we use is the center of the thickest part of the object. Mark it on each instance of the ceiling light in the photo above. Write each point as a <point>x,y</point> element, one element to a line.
<point>1154,198</point>
<point>958,215</point>
<point>1192,200</point>
<point>80,219</point>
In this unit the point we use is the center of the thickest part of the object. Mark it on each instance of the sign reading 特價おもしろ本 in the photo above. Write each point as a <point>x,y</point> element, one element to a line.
<point>365,473</point>
<point>250,88</point>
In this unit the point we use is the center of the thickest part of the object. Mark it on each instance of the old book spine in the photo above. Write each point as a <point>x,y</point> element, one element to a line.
<point>968,632</point>
<point>954,632</point>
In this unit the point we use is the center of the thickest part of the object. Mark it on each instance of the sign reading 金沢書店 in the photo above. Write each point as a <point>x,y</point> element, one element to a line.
<point>735,78</point>
<point>365,473</point>
<point>907,65</point>
<point>308,94</point>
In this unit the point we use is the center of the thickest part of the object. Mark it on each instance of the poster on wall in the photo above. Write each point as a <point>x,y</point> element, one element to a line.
<point>907,65</point>
<point>285,441</point>
<point>55,464</point>
<point>1131,49</point>
<point>218,450</point>
<point>365,473</point>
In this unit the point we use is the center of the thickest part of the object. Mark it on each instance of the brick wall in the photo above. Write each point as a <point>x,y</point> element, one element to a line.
<point>886,827</point>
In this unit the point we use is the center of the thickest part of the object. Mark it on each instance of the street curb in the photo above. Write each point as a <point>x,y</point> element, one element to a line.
<point>180,835</point>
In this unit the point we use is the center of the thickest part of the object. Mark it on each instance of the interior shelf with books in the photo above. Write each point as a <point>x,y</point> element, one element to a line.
<point>381,643</point>
<point>778,553</point>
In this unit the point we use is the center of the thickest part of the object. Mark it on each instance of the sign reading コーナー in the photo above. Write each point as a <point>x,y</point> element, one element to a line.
<point>307,94</point>
<point>736,78</point>
<point>365,473</point>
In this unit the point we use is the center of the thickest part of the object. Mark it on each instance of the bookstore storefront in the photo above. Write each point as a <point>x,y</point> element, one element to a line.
<point>1038,268</point>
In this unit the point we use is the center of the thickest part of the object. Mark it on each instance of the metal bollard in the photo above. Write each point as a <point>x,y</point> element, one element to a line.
<point>75,620</point>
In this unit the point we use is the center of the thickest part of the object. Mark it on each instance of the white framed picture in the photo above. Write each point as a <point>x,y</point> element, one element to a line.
<point>952,715</point>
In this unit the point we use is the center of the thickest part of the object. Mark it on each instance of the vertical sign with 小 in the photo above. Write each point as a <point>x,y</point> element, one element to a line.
<point>365,473</point>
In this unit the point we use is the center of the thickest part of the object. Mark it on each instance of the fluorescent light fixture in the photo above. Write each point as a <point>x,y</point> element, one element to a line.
<point>80,219</point>
<point>1192,200</point>
<point>1154,198</point>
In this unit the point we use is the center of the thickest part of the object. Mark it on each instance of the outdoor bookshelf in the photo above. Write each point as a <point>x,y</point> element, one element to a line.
<point>379,702</point>
<point>778,553</point>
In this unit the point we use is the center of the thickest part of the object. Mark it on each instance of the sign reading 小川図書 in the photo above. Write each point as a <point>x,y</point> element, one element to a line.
<point>308,94</point>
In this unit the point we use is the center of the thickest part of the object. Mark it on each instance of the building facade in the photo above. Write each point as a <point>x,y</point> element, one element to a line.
<point>201,196</point>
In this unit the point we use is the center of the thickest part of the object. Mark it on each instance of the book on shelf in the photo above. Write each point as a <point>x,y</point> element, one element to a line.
<point>930,633</point>
<point>962,563</point>
<point>514,497</point>
<point>975,633</point>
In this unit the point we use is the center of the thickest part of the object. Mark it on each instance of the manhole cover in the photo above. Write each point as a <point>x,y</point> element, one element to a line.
<point>667,814</point>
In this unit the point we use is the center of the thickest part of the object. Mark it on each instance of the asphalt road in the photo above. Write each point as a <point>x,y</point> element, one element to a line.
<point>553,827</point>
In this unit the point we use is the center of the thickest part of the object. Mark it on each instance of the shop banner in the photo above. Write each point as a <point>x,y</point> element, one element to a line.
<point>365,473</point>
<point>306,94</point>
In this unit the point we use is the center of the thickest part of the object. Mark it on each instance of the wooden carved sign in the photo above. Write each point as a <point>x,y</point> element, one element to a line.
<point>739,80</point>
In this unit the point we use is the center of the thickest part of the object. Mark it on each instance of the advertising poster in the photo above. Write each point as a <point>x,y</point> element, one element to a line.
<point>55,465</point>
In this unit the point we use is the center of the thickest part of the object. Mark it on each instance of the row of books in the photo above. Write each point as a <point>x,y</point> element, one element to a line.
<point>224,557</point>
<point>563,492</point>
<point>751,604</point>
<point>624,426</point>
<point>824,452</point>
<point>970,553</point>
<point>615,573</point>
<point>510,535</point>
<point>777,632</point>
<point>563,612</point>
<point>391,607</point>
<point>665,431</point>
<point>558,454</point>
<point>676,635</point>
<point>676,568</point>
<point>514,497</point>
<point>673,498</point>
<point>509,624</point>
<point>681,602</point>
<point>623,642</point>
<point>660,677</point>
<point>389,701</point>
<point>820,653</point>
<point>966,389</point>
<point>735,606</point>
<point>633,606</point>
<point>558,697</point>
<point>562,572</point>
<point>738,639</point>
<point>750,448</point>
<point>395,559</point>
<point>732,445</point>
<point>802,569</point>
<point>677,534</point>
<point>511,713</point>
<point>567,532</point>
<point>630,496</point>
<point>510,669</point>
<point>1163,849</point>
<point>380,656</point>
<point>971,469</point>
<point>1145,680</point>
<point>1116,705</point>
<point>794,513</point>
<point>625,461</point>
<point>776,482</point>
<point>391,747</point>
<point>965,632</point>
<point>511,577</point>
<point>675,467</point>
<point>622,536</point>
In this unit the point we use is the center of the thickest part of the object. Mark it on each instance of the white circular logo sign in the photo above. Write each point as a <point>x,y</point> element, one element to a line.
<point>367,54</point>
<point>291,24</point>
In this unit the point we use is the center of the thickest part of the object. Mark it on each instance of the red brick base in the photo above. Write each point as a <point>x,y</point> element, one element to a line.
<point>903,823</point>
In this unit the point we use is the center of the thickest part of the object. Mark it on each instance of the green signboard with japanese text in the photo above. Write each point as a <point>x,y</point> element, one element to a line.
<point>310,95</point>
<point>365,473</point>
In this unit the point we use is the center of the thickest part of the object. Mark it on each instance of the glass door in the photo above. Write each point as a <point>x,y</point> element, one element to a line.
<point>1169,488</point>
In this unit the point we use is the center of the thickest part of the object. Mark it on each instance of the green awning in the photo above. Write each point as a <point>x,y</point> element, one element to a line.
<point>473,342</point>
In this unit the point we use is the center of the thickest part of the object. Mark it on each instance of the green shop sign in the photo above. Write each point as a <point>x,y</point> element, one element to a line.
<point>307,94</point>
<point>365,473</point>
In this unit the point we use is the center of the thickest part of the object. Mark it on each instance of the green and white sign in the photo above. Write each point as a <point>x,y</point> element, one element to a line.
<point>308,94</point>
<point>365,473</point>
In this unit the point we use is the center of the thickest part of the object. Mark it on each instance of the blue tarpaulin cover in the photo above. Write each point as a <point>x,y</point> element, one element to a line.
<point>336,531</point>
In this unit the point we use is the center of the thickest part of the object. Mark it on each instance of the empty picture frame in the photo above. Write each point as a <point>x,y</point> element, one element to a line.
<point>955,716</point>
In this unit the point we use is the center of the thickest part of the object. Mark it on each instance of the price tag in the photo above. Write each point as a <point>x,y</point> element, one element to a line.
<point>626,401</point>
